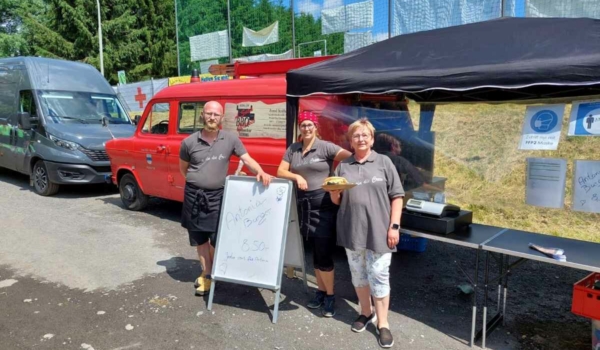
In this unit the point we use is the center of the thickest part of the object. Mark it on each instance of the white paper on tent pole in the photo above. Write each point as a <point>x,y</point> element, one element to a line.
<point>265,57</point>
<point>204,66</point>
<point>210,45</point>
<point>354,41</point>
<point>344,18</point>
<point>265,36</point>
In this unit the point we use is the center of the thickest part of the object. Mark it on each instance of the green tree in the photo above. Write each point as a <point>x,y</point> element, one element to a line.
<point>138,36</point>
<point>12,12</point>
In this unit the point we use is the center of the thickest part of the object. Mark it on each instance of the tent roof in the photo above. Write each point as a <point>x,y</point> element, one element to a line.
<point>507,59</point>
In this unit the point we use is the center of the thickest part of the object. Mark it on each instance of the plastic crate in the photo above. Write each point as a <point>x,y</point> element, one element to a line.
<point>414,244</point>
<point>586,300</point>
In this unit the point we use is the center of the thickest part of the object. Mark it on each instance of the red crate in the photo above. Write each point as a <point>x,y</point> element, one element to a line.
<point>586,300</point>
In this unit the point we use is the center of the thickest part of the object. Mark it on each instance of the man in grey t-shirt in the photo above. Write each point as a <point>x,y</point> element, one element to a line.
<point>204,161</point>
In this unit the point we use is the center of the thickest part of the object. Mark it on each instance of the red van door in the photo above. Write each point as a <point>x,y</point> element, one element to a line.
<point>151,151</point>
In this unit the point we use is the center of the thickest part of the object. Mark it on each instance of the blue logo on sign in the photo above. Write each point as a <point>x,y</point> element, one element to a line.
<point>544,121</point>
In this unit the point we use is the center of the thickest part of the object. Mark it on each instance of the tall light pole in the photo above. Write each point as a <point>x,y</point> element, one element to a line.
<point>100,39</point>
<point>177,40</point>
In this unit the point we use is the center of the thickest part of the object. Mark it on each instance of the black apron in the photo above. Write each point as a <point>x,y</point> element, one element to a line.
<point>317,213</point>
<point>201,208</point>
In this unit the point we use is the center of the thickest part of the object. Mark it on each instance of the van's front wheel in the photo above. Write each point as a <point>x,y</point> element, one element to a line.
<point>41,180</point>
<point>131,194</point>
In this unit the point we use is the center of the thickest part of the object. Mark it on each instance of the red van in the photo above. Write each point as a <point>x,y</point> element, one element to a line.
<point>147,164</point>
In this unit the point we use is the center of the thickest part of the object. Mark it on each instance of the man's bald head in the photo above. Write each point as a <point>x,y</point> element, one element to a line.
<point>212,115</point>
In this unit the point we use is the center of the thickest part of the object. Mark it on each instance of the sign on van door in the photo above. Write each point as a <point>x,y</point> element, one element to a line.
<point>255,119</point>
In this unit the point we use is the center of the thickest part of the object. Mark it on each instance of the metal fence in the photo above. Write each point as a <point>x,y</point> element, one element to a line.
<point>210,31</point>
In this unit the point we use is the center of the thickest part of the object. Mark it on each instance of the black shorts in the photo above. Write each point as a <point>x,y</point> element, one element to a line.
<point>199,238</point>
<point>323,249</point>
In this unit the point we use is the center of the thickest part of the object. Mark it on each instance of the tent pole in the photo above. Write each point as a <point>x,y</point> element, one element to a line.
<point>389,19</point>
<point>229,27</point>
<point>293,30</point>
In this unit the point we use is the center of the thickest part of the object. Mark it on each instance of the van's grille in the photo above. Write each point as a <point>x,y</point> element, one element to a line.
<point>95,155</point>
<point>102,169</point>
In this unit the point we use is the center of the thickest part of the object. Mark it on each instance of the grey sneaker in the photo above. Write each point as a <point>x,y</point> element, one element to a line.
<point>329,306</point>
<point>317,302</point>
<point>362,321</point>
<point>386,340</point>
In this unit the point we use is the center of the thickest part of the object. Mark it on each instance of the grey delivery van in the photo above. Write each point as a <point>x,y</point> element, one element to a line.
<point>55,117</point>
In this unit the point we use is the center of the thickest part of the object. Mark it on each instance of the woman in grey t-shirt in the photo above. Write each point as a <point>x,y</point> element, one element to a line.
<point>367,226</point>
<point>308,163</point>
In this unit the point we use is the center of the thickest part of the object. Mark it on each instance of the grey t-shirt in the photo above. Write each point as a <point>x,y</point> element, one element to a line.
<point>316,165</point>
<point>209,162</point>
<point>364,215</point>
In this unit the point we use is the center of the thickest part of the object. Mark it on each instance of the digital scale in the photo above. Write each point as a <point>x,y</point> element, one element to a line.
<point>434,217</point>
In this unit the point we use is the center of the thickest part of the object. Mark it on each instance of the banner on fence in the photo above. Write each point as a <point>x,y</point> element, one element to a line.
<point>265,36</point>
<point>428,15</point>
<point>209,45</point>
<point>354,41</point>
<point>348,17</point>
<point>135,96</point>
<point>266,57</point>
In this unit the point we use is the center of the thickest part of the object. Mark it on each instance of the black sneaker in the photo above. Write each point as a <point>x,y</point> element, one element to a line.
<point>317,301</point>
<point>329,306</point>
<point>362,321</point>
<point>386,340</point>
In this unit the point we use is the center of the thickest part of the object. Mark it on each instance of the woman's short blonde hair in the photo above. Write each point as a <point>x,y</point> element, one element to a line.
<point>361,123</point>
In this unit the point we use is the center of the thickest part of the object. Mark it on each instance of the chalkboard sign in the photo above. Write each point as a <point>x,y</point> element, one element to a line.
<point>252,232</point>
<point>586,186</point>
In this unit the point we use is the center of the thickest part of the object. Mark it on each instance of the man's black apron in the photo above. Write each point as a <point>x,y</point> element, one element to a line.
<point>201,208</point>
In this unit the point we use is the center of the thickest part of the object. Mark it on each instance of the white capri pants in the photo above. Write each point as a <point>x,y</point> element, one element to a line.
<point>370,269</point>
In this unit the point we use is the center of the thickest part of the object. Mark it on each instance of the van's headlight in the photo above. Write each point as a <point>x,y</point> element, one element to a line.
<point>64,143</point>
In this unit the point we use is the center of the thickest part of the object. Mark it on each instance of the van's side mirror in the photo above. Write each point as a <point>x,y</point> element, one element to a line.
<point>136,119</point>
<point>25,120</point>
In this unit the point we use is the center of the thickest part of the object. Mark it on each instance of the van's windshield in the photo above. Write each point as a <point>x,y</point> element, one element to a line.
<point>81,107</point>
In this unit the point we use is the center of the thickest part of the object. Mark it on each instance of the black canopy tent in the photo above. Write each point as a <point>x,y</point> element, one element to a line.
<point>503,60</point>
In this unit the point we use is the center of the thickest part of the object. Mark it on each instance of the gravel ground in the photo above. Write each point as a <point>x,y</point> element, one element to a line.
<point>77,271</point>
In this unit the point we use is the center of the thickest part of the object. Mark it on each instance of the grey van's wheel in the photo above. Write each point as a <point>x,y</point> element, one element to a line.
<point>131,195</point>
<point>41,180</point>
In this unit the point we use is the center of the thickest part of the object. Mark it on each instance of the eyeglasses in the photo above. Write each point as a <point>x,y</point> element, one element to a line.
<point>211,114</point>
<point>307,126</point>
<point>359,136</point>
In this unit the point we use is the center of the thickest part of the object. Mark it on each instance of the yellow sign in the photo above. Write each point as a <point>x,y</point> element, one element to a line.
<point>203,78</point>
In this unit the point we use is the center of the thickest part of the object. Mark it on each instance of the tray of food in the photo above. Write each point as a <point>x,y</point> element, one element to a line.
<point>336,183</point>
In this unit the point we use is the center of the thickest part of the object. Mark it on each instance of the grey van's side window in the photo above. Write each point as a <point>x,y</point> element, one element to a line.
<point>158,120</point>
<point>190,117</point>
<point>27,103</point>
<point>8,91</point>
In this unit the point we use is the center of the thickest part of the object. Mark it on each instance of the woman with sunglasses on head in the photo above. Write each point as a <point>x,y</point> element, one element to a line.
<point>368,226</point>
<point>308,163</point>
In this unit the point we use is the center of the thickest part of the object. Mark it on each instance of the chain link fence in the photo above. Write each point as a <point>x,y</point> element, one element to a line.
<point>211,31</point>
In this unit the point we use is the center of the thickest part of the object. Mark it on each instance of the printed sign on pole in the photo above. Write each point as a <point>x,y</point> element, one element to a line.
<point>585,118</point>
<point>541,128</point>
<point>122,79</point>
